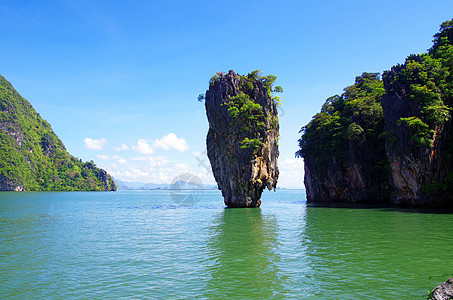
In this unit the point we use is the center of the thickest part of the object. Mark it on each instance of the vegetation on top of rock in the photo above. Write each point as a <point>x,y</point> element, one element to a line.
<point>356,115</point>
<point>427,80</point>
<point>33,158</point>
<point>410,109</point>
<point>246,113</point>
<point>242,140</point>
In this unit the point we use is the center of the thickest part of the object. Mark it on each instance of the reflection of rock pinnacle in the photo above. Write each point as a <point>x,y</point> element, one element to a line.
<point>186,189</point>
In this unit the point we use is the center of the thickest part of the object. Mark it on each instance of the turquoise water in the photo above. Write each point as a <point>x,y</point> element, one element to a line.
<point>141,245</point>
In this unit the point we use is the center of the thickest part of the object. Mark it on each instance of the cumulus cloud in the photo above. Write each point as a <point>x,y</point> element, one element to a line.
<point>95,144</point>
<point>119,159</point>
<point>138,158</point>
<point>122,147</point>
<point>149,170</point>
<point>146,166</point>
<point>291,173</point>
<point>128,175</point>
<point>143,147</point>
<point>171,141</point>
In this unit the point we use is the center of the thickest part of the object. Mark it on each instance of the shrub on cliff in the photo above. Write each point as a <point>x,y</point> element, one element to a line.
<point>246,113</point>
<point>414,103</point>
<point>425,82</point>
<point>356,115</point>
<point>242,140</point>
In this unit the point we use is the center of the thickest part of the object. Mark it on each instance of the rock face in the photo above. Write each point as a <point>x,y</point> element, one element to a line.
<point>354,180</point>
<point>343,152</point>
<point>242,138</point>
<point>444,291</point>
<point>414,164</point>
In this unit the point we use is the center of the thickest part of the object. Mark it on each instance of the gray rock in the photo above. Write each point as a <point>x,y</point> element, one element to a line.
<point>444,291</point>
<point>241,172</point>
<point>412,165</point>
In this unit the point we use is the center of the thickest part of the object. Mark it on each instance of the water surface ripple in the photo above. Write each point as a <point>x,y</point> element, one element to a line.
<point>141,245</point>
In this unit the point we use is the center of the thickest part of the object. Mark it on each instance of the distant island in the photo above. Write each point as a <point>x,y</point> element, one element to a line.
<point>33,158</point>
<point>142,186</point>
<point>389,140</point>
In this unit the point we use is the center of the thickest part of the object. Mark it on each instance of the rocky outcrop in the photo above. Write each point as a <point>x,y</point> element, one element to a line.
<point>9,185</point>
<point>242,141</point>
<point>356,179</point>
<point>443,291</point>
<point>343,153</point>
<point>414,164</point>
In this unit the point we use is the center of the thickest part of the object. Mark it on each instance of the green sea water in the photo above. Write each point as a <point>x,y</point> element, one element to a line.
<point>146,245</point>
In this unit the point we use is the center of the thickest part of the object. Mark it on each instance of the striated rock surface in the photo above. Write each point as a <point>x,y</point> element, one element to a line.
<point>416,151</point>
<point>355,179</point>
<point>443,291</point>
<point>242,141</point>
<point>417,108</point>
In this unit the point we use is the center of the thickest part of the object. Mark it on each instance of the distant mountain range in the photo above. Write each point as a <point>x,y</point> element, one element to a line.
<point>178,185</point>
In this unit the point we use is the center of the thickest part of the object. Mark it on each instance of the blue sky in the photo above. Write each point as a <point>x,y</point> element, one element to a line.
<point>119,80</point>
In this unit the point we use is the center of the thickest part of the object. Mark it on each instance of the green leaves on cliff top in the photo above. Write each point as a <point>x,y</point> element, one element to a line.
<point>249,116</point>
<point>428,79</point>
<point>33,157</point>
<point>354,116</point>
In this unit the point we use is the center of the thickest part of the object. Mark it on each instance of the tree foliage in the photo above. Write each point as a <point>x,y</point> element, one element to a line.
<point>428,79</point>
<point>250,115</point>
<point>354,116</point>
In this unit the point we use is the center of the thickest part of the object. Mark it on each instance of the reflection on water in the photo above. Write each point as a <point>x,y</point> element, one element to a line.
<point>243,256</point>
<point>360,253</point>
<point>139,245</point>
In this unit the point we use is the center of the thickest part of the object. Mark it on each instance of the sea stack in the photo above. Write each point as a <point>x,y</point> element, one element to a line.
<point>388,141</point>
<point>242,141</point>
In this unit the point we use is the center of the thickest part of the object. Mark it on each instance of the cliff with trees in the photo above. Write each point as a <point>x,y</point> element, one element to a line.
<point>242,141</point>
<point>387,140</point>
<point>33,158</point>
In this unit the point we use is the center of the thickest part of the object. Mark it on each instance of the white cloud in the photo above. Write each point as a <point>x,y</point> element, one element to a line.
<point>152,169</point>
<point>291,173</point>
<point>119,159</point>
<point>158,161</point>
<point>138,158</point>
<point>122,147</point>
<point>143,147</point>
<point>130,175</point>
<point>95,144</point>
<point>171,141</point>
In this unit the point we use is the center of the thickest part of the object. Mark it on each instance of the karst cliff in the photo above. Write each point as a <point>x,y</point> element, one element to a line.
<point>389,140</point>
<point>344,154</point>
<point>33,158</point>
<point>242,141</point>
